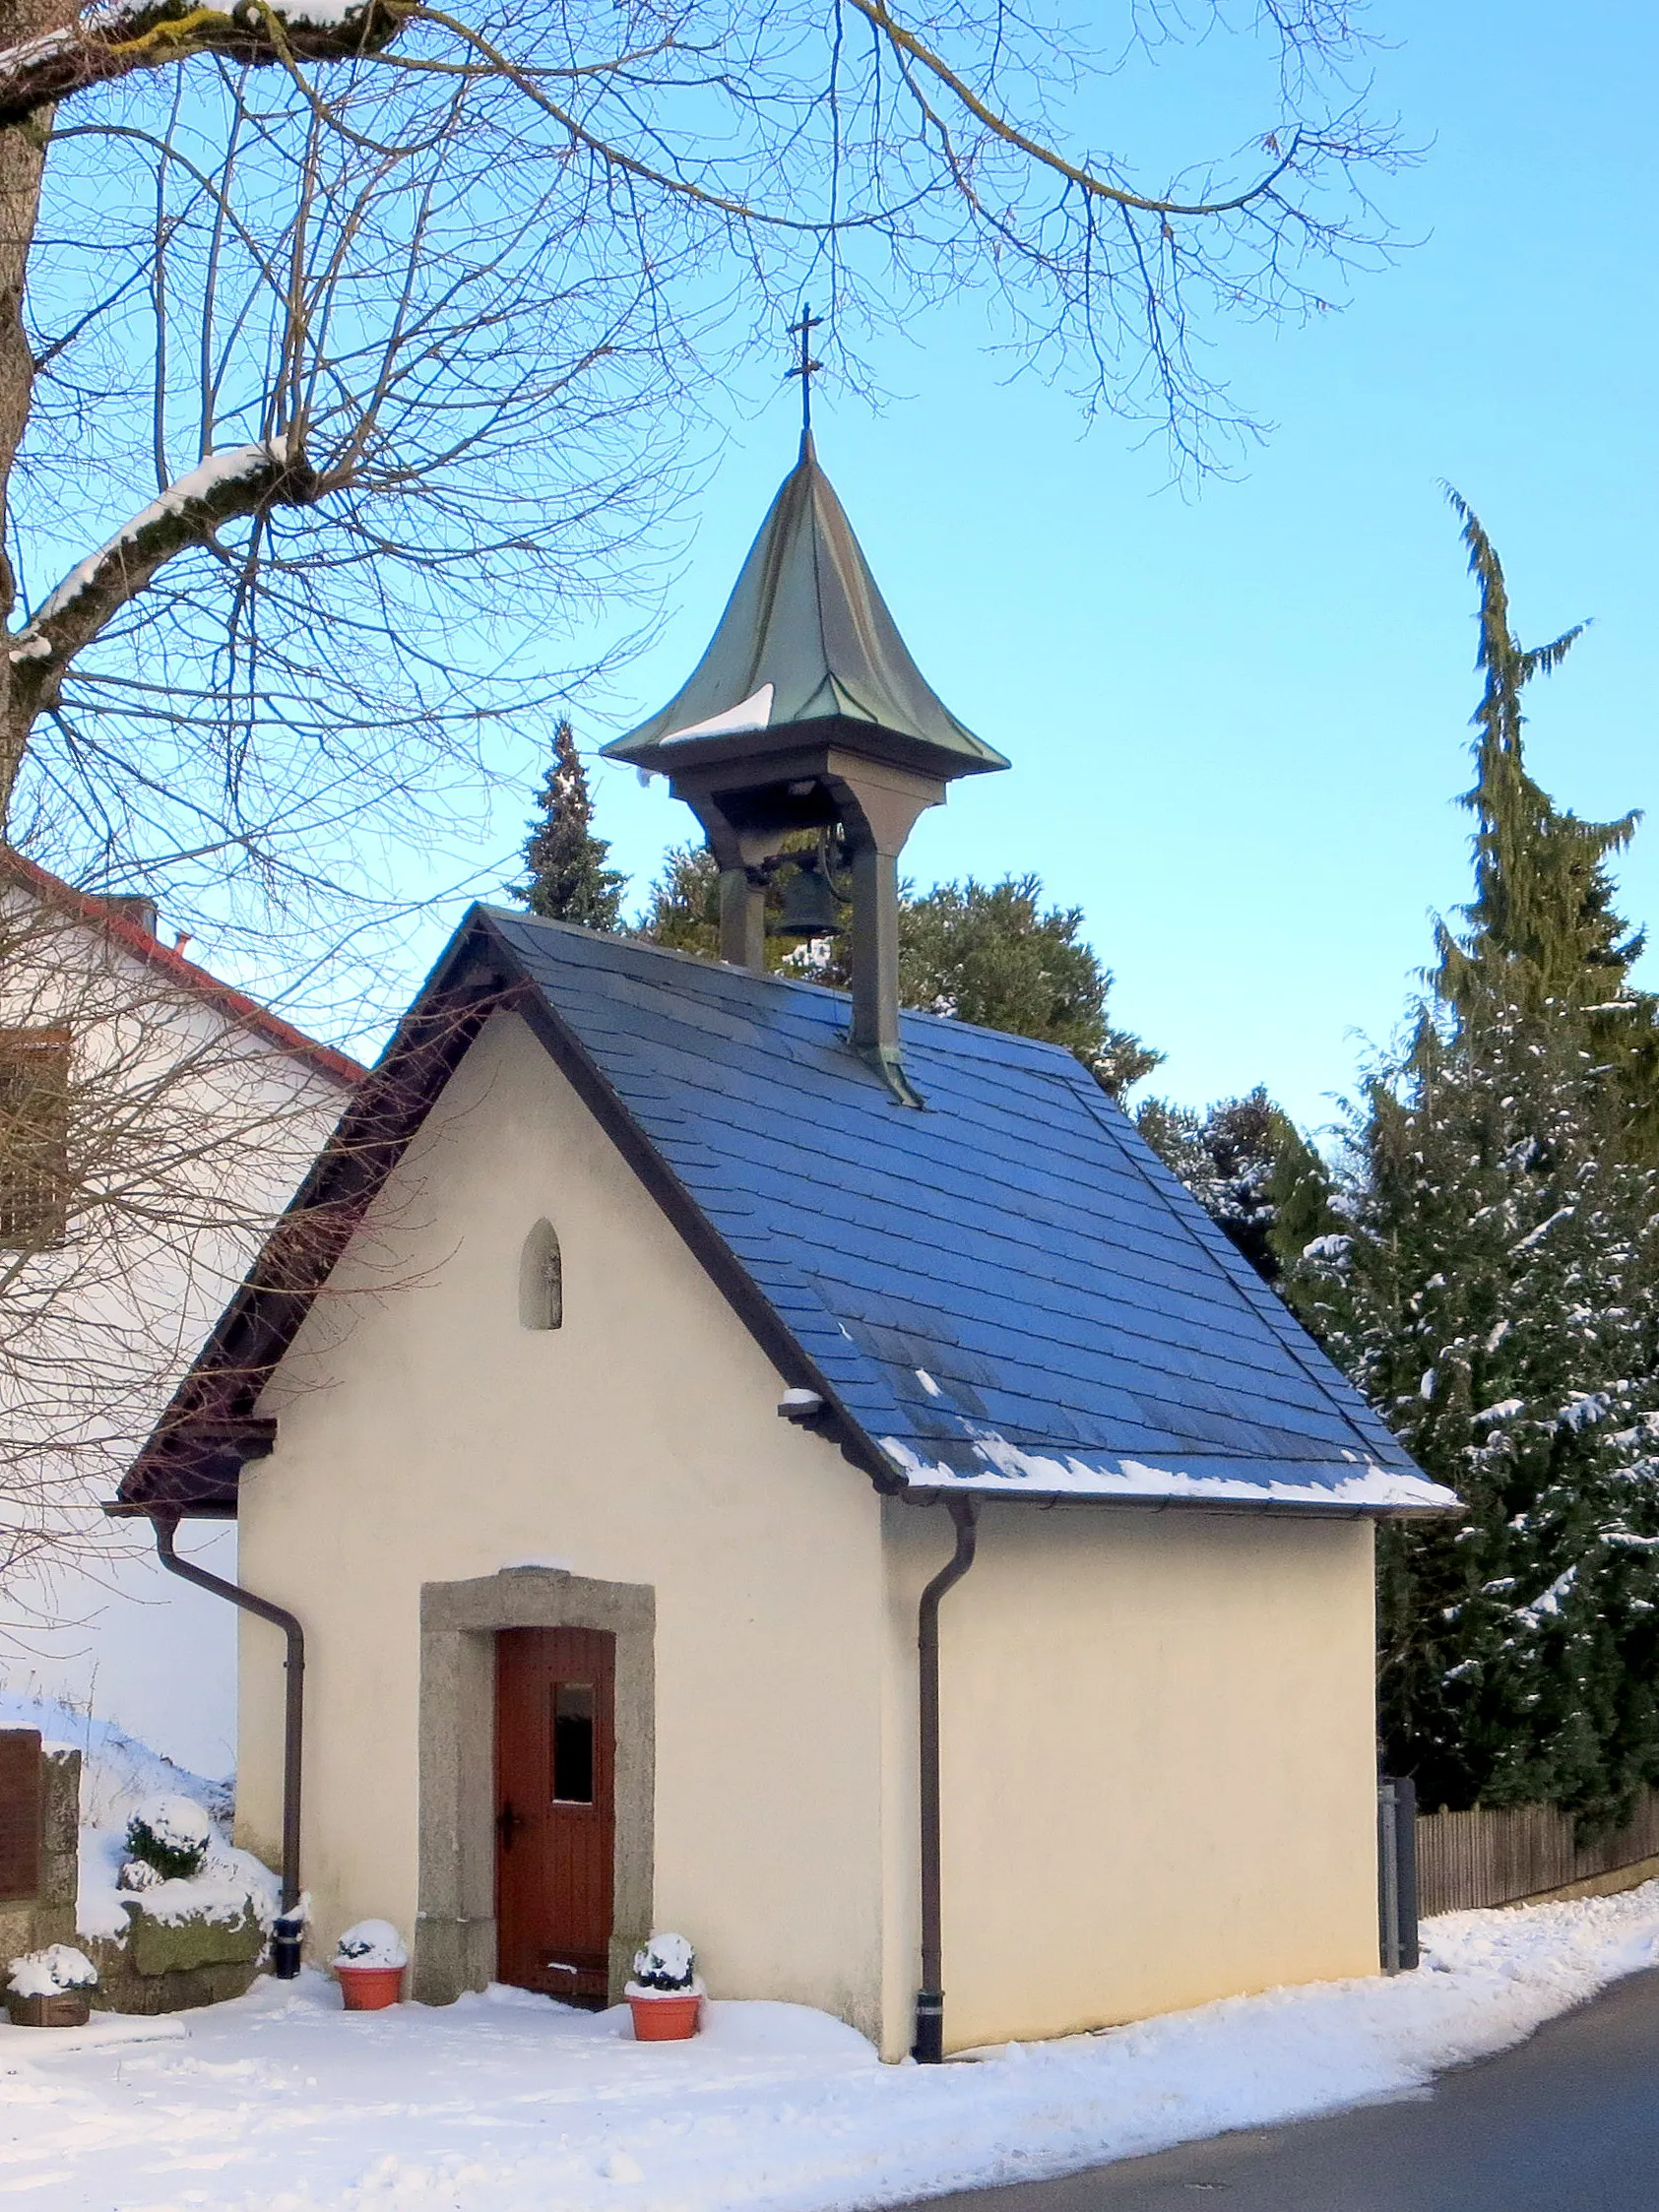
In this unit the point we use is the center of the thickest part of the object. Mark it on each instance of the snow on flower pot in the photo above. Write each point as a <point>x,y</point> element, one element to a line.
<point>51,1989</point>
<point>369,1964</point>
<point>665,1997</point>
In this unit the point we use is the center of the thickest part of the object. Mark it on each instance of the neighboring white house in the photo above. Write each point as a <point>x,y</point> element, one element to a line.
<point>153,1122</point>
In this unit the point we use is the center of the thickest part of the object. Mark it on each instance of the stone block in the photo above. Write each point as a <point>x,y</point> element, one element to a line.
<point>173,1965</point>
<point>62,1826</point>
<point>181,1946</point>
<point>17,1932</point>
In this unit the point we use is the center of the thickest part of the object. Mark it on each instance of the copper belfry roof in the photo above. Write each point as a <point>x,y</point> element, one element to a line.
<point>805,637</point>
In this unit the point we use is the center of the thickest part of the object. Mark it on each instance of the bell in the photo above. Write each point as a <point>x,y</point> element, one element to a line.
<point>810,906</point>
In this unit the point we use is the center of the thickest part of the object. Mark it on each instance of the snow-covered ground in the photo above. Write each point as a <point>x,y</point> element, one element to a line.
<point>506,2103</point>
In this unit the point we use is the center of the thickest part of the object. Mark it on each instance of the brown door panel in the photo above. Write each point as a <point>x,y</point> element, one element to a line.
<point>556,1752</point>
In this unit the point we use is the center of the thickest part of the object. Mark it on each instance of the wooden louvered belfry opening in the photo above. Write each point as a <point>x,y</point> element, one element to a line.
<point>33,1138</point>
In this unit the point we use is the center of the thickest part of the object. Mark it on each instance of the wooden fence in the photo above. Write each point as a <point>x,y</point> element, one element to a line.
<point>1499,1856</point>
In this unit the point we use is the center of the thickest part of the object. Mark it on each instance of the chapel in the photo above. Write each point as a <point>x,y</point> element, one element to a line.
<point>737,1457</point>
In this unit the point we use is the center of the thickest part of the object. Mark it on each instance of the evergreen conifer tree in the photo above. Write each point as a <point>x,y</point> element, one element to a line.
<point>566,878</point>
<point>986,953</point>
<point>1494,1294</point>
<point>989,953</point>
<point>1541,932</point>
<point>1249,1168</point>
<point>1493,1288</point>
<point>683,911</point>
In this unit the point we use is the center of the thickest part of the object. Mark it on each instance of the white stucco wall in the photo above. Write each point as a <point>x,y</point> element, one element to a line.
<point>1158,1770</point>
<point>424,1435</point>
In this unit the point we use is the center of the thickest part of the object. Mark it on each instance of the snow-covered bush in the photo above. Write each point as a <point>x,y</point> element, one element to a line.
<point>171,1834</point>
<point>371,1943</point>
<point>668,1961</point>
<point>49,1972</point>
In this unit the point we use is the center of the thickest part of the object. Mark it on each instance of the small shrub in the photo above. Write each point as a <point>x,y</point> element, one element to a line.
<point>171,1834</point>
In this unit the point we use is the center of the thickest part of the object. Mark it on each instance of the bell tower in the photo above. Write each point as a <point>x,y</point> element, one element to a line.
<point>806,712</point>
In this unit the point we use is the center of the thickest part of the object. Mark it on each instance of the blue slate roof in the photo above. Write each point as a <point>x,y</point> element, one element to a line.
<point>1008,1291</point>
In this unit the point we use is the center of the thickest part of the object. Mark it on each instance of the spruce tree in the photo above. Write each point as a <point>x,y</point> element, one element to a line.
<point>1541,932</point>
<point>1492,1286</point>
<point>566,878</point>
<point>1493,1292</point>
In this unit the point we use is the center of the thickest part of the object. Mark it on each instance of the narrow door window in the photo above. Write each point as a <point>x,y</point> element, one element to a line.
<point>573,1743</point>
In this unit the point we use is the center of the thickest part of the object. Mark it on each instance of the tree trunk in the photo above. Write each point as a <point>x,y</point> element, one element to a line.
<point>23,159</point>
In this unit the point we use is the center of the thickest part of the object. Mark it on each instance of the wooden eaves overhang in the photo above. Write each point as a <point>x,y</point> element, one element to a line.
<point>1006,1295</point>
<point>192,1460</point>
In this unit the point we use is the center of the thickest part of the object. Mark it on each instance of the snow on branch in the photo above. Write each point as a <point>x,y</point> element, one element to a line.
<point>116,41</point>
<point>226,485</point>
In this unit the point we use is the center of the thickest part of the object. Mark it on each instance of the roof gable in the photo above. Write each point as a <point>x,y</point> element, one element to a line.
<point>1005,1292</point>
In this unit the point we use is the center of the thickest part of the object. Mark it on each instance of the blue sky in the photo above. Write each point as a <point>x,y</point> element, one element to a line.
<point>1238,720</point>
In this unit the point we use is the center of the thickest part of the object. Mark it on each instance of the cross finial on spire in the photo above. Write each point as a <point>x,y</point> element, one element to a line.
<point>804,367</point>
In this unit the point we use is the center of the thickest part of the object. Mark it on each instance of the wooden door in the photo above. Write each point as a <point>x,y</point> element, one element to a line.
<point>555,1820</point>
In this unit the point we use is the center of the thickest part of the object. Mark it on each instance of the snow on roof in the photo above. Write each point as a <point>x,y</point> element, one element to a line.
<point>1355,1485</point>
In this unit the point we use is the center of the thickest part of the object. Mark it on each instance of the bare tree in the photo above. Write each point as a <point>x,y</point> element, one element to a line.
<point>372,330</point>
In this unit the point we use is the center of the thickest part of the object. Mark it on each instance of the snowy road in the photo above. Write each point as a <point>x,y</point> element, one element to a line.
<point>1569,2123</point>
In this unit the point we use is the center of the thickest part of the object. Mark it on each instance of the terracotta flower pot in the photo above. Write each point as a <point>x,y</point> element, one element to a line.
<point>370,1989</point>
<point>665,2015</point>
<point>66,2008</point>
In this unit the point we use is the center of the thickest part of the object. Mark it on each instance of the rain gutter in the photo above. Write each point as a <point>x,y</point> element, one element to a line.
<point>285,1949</point>
<point>929,2048</point>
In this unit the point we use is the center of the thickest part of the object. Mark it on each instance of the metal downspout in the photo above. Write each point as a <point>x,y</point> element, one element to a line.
<point>929,2048</point>
<point>286,1943</point>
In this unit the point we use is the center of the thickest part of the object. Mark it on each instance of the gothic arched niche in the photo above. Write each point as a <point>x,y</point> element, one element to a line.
<point>541,1280</point>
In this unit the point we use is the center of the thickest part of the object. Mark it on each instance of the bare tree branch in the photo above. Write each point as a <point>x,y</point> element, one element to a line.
<point>248,482</point>
<point>117,42</point>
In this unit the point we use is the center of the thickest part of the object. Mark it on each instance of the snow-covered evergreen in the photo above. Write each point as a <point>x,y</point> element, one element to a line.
<point>1496,1297</point>
<point>1493,1289</point>
<point>566,878</point>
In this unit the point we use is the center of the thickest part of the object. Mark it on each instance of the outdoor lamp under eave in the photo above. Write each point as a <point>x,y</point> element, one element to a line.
<point>806,712</point>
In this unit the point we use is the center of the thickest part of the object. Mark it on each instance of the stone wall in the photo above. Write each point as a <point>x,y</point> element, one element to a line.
<point>158,1966</point>
<point>173,1965</point>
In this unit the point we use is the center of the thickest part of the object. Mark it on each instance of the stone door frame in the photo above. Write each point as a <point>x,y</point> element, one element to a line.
<point>455,1924</point>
